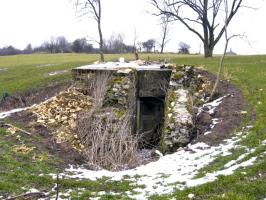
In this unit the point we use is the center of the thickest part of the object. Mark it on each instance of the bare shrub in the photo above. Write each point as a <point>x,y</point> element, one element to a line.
<point>108,141</point>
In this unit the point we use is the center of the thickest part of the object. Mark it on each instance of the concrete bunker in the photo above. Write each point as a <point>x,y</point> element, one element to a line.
<point>146,92</point>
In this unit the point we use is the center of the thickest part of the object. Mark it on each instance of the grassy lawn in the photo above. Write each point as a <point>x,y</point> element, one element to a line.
<point>19,171</point>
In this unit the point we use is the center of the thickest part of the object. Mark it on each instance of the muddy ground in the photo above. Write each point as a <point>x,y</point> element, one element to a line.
<point>31,97</point>
<point>228,113</point>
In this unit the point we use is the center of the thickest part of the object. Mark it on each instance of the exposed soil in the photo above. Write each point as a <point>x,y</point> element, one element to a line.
<point>47,141</point>
<point>228,113</point>
<point>31,97</point>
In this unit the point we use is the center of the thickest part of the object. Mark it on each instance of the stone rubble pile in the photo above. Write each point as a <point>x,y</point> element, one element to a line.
<point>61,112</point>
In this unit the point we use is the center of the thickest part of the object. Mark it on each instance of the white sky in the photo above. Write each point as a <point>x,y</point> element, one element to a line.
<point>34,21</point>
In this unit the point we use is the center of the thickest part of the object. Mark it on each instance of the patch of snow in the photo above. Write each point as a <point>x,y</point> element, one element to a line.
<point>214,122</point>
<point>248,127</point>
<point>207,133</point>
<point>158,153</point>
<point>57,72</point>
<point>232,162</point>
<point>173,83</point>
<point>213,176</point>
<point>178,168</point>
<point>263,142</point>
<point>211,106</point>
<point>45,65</point>
<point>191,196</point>
<point>8,113</point>
<point>3,69</point>
<point>32,190</point>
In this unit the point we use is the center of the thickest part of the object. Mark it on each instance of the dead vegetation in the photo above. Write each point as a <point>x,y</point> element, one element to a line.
<point>105,132</point>
<point>108,141</point>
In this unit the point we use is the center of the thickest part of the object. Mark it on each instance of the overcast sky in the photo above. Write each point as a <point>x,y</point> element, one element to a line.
<point>34,21</point>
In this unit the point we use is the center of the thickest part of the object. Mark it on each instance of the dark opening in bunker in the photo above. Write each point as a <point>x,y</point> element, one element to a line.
<point>151,117</point>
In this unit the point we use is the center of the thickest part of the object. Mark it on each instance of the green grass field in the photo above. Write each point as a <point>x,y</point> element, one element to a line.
<point>25,72</point>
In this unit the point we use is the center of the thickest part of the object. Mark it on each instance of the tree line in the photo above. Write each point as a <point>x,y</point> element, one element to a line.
<point>115,44</point>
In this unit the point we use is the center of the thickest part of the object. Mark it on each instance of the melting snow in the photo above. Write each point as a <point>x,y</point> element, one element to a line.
<point>174,171</point>
<point>45,65</point>
<point>57,72</point>
<point>8,113</point>
<point>3,69</point>
<point>211,106</point>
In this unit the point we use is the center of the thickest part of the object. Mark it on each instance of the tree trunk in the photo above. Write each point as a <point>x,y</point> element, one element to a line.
<point>101,42</point>
<point>100,30</point>
<point>208,51</point>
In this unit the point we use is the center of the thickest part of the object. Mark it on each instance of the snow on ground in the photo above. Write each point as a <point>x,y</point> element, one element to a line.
<point>174,171</point>
<point>211,106</point>
<point>8,113</point>
<point>57,72</point>
<point>45,65</point>
<point>3,69</point>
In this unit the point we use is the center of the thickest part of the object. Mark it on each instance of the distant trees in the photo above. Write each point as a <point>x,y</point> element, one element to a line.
<point>115,44</point>
<point>62,45</point>
<point>183,48</point>
<point>82,46</point>
<point>28,49</point>
<point>9,50</point>
<point>149,45</point>
<point>201,17</point>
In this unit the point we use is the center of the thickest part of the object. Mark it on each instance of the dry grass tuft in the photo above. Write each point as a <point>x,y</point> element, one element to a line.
<point>108,141</point>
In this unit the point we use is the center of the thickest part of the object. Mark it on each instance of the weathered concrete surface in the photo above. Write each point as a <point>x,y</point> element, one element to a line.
<point>153,83</point>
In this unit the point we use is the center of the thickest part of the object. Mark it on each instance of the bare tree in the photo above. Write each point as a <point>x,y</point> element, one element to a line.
<point>227,39</point>
<point>115,44</point>
<point>204,16</point>
<point>135,49</point>
<point>165,31</point>
<point>183,48</point>
<point>62,45</point>
<point>148,45</point>
<point>94,9</point>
